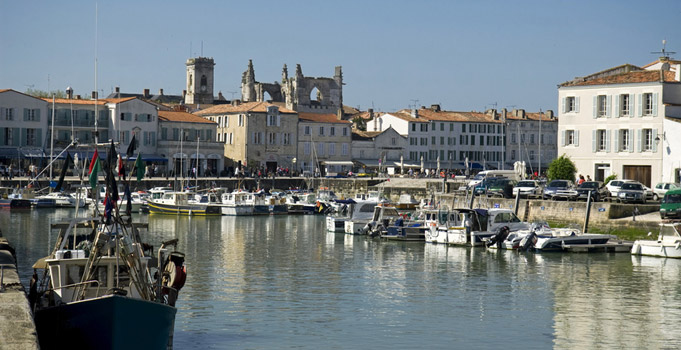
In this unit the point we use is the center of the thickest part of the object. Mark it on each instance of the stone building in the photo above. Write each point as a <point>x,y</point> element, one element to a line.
<point>200,75</point>
<point>299,93</point>
<point>324,143</point>
<point>529,137</point>
<point>255,134</point>
<point>385,149</point>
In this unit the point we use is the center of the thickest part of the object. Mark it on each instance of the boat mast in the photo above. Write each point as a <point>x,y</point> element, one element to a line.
<point>96,92</point>
<point>196,172</point>
<point>52,140</point>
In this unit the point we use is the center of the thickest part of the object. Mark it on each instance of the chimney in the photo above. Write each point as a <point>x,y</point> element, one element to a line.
<point>677,76</point>
<point>414,113</point>
<point>69,93</point>
<point>146,93</point>
<point>220,97</point>
<point>94,95</point>
<point>236,102</point>
<point>522,113</point>
<point>549,114</point>
<point>118,90</point>
<point>371,113</point>
<point>435,107</point>
<point>77,97</point>
<point>160,92</point>
<point>503,114</point>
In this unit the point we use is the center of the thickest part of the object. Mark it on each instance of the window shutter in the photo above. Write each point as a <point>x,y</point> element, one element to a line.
<point>595,107</point>
<point>639,140</point>
<point>37,114</point>
<point>654,143</point>
<point>127,137</point>
<point>655,96</point>
<point>563,105</point>
<point>39,137</point>
<point>576,138</point>
<point>593,141</point>
<point>616,109</point>
<point>608,107</point>
<point>639,105</point>
<point>631,106</point>
<point>577,104</point>
<point>278,120</point>
<point>25,114</point>
<point>2,113</point>
<point>2,136</point>
<point>607,141</point>
<point>630,142</point>
<point>563,138</point>
<point>22,135</point>
<point>616,144</point>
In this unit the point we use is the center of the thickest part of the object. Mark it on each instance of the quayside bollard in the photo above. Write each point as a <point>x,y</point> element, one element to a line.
<point>588,212</point>
<point>517,202</point>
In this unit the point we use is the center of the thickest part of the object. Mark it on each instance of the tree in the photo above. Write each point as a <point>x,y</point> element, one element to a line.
<point>562,168</point>
<point>360,123</point>
<point>45,94</point>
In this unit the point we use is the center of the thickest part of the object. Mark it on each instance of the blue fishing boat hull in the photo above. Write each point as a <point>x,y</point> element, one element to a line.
<point>109,322</point>
<point>15,203</point>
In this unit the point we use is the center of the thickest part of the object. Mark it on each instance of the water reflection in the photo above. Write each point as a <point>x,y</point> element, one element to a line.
<point>283,282</point>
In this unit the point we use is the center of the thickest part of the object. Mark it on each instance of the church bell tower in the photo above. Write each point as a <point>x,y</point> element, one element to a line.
<point>200,80</point>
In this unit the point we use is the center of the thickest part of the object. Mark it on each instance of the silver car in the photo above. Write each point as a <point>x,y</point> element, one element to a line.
<point>631,192</point>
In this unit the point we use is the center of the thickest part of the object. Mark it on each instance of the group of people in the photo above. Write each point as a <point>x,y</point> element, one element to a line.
<point>581,179</point>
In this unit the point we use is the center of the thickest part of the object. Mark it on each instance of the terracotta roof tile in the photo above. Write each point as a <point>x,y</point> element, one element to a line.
<point>257,107</point>
<point>645,76</point>
<point>321,118</point>
<point>427,115</point>
<point>182,117</point>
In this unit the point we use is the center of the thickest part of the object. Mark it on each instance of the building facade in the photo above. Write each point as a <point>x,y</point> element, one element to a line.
<point>531,138</point>
<point>256,135</point>
<point>23,129</point>
<point>380,150</point>
<point>324,144</point>
<point>612,122</point>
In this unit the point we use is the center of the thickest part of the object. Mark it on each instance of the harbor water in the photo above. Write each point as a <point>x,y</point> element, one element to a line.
<point>283,282</point>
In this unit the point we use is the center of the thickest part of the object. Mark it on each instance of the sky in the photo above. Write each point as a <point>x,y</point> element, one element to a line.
<point>463,55</point>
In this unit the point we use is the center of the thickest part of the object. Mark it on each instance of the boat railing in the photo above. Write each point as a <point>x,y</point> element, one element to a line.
<point>73,285</point>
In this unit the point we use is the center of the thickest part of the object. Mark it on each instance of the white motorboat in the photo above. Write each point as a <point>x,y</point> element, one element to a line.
<point>237,203</point>
<point>667,245</point>
<point>472,227</point>
<point>345,210</point>
<point>64,200</point>
<point>561,237</point>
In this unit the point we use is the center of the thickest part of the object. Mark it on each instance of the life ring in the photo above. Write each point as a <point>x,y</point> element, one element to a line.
<point>174,271</point>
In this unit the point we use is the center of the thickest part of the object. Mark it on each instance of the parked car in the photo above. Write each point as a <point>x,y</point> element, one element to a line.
<point>614,186</point>
<point>670,207</point>
<point>631,192</point>
<point>485,184</point>
<point>661,189</point>
<point>554,186</point>
<point>501,188</point>
<point>528,188</point>
<point>598,191</point>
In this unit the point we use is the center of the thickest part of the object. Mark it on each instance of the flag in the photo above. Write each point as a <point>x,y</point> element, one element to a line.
<point>121,166</point>
<point>94,170</point>
<point>140,167</point>
<point>111,158</point>
<point>131,147</point>
<point>108,208</point>
<point>110,177</point>
<point>63,171</point>
<point>128,206</point>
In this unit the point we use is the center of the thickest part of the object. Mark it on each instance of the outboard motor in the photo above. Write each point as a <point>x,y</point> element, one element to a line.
<point>528,241</point>
<point>498,238</point>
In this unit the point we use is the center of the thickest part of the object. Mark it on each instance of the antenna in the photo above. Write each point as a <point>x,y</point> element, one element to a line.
<point>232,92</point>
<point>664,52</point>
<point>415,103</point>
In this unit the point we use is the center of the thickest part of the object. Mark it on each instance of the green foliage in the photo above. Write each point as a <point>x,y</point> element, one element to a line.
<point>561,168</point>
<point>610,178</point>
<point>45,94</point>
<point>360,123</point>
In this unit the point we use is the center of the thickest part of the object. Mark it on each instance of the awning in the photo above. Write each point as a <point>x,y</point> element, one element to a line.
<point>368,162</point>
<point>32,152</point>
<point>338,162</point>
<point>153,158</point>
<point>9,153</point>
<point>406,165</point>
<point>215,156</point>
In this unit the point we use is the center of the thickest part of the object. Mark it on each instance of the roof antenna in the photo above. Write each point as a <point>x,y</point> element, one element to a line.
<point>665,54</point>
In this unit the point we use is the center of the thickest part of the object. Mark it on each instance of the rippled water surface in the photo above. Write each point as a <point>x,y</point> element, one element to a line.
<point>283,282</point>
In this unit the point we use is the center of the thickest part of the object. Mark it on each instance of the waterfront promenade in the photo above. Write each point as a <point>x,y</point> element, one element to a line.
<point>17,330</point>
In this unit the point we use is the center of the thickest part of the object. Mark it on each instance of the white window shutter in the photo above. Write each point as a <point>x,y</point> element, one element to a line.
<point>608,106</point>
<point>655,97</point>
<point>630,143</point>
<point>654,143</point>
<point>593,141</point>
<point>639,105</point>
<point>607,141</point>
<point>616,144</point>
<point>563,138</point>
<point>595,107</point>
<point>563,105</point>
<point>631,105</point>
<point>576,104</point>
<point>278,120</point>
<point>639,140</point>
<point>576,138</point>
<point>616,107</point>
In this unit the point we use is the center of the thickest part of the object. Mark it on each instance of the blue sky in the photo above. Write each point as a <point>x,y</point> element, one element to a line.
<point>464,55</point>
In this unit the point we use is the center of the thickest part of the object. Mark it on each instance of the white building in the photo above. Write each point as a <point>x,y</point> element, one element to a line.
<point>23,128</point>
<point>531,138</point>
<point>614,122</point>
<point>388,146</point>
<point>184,139</point>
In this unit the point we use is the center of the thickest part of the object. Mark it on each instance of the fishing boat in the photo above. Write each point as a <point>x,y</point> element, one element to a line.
<point>102,289</point>
<point>177,203</point>
<point>277,204</point>
<point>667,245</point>
<point>376,224</point>
<point>406,201</point>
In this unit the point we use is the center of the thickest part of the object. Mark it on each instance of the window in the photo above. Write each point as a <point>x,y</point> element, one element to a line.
<point>482,140</point>
<point>570,104</point>
<point>345,131</point>
<point>513,138</point>
<point>287,138</point>
<point>230,139</point>
<point>393,141</point>
<point>442,126</point>
<point>307,130</point>
<point>424,127</point>
<point>332,149</point>
<point>570,138</point>
<point>321,131</point>
<point>413,127</point>
<point>442,140</point>
<point>625,106</point>
<point>601,140</point>
<point>522,138</point>
<point>602,105</point>
<point>257,138</point>
<point>306,148</point>
<point>432,141</point>
<point>531,139</point>
<point>271,120</point>
<point>512,154</point>
<point>332,132</point>
<point>647,140</point>
<point>531,154</point>
<point>424,141</point>
<point>625,140</point>
<point>320,148</point>
<point>241,120</point>
<point>472,140</point>
<point>9,114</point>
<point>413,155</point>
<point>413,141</point>
<point>648,104</point>
<point>272,138</point>
<point>463,127</point>
<point>451,126</point>
<point>30,137</point>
